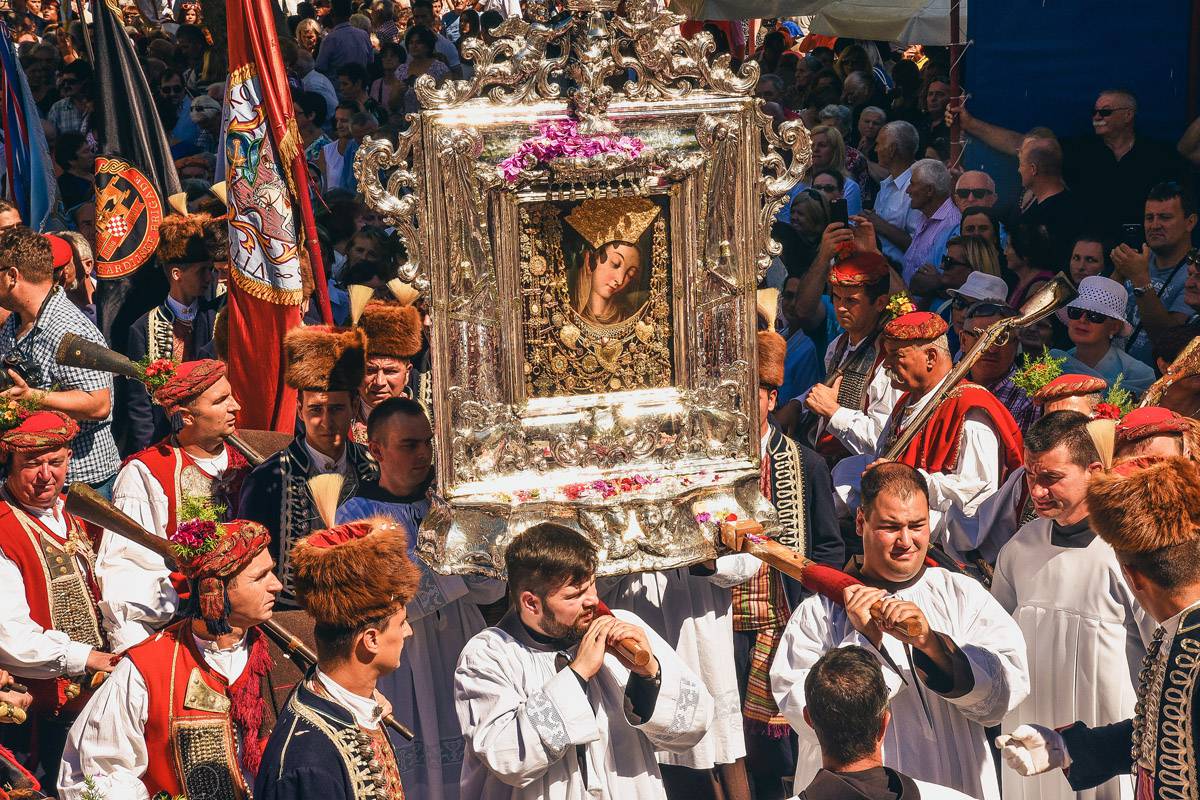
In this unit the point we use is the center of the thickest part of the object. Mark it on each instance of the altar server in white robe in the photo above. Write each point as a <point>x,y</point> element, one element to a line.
<point>1084,630</point>
<point>967,656</point>
<point>444,614</point>
<point>547,710</point>
<point>691,609</point>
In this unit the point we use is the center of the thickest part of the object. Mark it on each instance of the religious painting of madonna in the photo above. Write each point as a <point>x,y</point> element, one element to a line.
<point>595,283</point>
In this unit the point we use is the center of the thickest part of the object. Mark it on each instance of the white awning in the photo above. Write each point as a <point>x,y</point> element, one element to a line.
<point>902,21</point>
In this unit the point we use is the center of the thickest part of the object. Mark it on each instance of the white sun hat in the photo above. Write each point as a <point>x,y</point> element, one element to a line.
<point>1104,296</point>
<point>981,286</point>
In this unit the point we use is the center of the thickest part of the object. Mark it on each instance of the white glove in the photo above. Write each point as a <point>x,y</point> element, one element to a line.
<point>1033,749</point>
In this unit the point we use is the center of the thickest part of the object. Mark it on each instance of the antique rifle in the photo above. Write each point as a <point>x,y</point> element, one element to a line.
<point>84,502</point>
<point>1043,303</point>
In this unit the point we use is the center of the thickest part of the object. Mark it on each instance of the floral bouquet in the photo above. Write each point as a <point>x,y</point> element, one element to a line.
<point>199,529</point>
<point>899,305</point>
<point>561,139</point>
<point>156,373</point>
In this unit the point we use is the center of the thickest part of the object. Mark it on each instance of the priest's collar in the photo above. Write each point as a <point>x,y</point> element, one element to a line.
<point>1078,535</point>
<point>511,624</point>
<point>371,490</point>
<point>855,570</point>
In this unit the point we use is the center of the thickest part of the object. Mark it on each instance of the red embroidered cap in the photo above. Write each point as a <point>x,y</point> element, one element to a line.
<point>860,268</point>
<point>191,379</point>
<point>1068,386</point>
<point>40,430</point>
<point>1142,423</point>
<point>916,326</point>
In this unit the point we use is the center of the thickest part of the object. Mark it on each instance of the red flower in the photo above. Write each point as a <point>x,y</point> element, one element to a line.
<point>1106,411</point>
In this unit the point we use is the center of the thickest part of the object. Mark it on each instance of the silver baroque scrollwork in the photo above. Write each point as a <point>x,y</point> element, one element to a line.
<point>399,200</point>
<point>466,182</point>
<point>779,176</point>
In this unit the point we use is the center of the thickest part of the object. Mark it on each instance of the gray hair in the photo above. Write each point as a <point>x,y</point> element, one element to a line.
<point>874,110</point>
<point>833,111</point>
<point>934,173</point>
<point>771,77</point>
<point>79,244</point>
<point>904,137</point>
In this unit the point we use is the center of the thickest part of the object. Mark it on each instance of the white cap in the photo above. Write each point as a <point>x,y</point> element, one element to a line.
<point>981,286</point>
<point>1104,296</point>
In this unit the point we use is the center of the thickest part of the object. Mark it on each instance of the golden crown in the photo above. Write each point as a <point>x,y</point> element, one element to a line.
<point>615,219</point>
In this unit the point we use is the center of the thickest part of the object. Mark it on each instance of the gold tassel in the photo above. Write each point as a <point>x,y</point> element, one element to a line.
<point>325,491</point>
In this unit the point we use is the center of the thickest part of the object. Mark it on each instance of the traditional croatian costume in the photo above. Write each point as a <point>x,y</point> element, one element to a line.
<point>276,492</point>
<point>393,331</point>
<point>328,741</point>
<point>179,714</point>
<point>49,619</point>
<point>151,487</point>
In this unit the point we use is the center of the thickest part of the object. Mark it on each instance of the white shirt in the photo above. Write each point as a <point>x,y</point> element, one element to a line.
<point>183,313</point>
<point>365,710</point>
<point>108,741</point>
<point>976,474</point>
<point>894,205</point>
<point>321,464</point>
<point>27,649</point>
<point>954,751</point>
<point>136,595</point>
<point>859,431</point>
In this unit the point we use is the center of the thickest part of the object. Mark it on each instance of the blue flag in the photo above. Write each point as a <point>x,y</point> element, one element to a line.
<point>30,183</point>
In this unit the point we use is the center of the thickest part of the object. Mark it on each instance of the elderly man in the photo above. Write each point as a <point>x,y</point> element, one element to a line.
<point>967,447</point>
<point>894,218</point>
<point>955,661</point>
<point>1111,172</point>
<point>51,631</point>
<point>995,369</point>
<point>974,189</point>
<point>1051,204</point>
<point>1152,431</point>
<point>929,193</point>
<point>1063,586</point>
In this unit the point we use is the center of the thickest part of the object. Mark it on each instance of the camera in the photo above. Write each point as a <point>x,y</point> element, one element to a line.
<point>14,362</point>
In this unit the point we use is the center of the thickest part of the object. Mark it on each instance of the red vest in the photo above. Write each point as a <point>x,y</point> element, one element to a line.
<point>180,476</point>
<point>190,725</point>
<point>935,448</point>
<point>61,594</point>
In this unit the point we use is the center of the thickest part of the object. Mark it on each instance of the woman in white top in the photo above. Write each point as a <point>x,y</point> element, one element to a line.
<point>1095,321</point>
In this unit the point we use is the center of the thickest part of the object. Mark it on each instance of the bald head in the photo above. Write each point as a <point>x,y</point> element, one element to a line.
<point>974,188</point>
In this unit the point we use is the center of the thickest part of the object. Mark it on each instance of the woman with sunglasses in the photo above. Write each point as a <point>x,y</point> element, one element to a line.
<point>1095,321</point>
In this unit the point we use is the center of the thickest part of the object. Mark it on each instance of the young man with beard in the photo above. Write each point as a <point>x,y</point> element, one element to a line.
<point>546,711</point>
<point>1149,512</point>
<point>443,611</point>
<point>356,580</point>
<point>855,404</point>
<point>195,689</point>
<point>153,485</point>
<point>967,447</point>
<point>51,631</point>
<point>1063,586</point>
<point>325,366</point>
<point>962,670</point>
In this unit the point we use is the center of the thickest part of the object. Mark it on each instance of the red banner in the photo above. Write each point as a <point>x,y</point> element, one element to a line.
<point>266,180</point>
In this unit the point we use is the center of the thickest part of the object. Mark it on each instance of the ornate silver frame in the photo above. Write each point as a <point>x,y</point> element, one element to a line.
<point>657,465</point>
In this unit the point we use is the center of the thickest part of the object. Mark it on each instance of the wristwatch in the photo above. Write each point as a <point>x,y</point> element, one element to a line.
<point>1138,291</point>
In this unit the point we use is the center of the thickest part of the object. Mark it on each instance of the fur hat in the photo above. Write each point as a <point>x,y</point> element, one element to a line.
<point>356,572</point>
<point>325,359</point>
<point>182,240</point>
<point>392,329</point>
<point>772,352</point>
<point>1146,504</point>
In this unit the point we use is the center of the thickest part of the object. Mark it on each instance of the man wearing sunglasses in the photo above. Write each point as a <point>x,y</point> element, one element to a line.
<point>974,188</point>
<point>1110,172</point>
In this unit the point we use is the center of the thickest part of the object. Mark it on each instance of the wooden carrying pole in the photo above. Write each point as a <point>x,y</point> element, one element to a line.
<point>84,502</point>
<point>818,578</point>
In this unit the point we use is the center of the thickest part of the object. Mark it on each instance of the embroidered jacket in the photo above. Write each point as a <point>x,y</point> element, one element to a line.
<point>1159,744</point>
<point>276,495</point>
<point>317,750</point>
